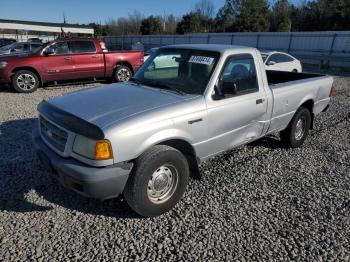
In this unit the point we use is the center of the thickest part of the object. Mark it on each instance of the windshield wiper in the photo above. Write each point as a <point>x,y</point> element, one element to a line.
<point>135,80</point>
<point>164,86</point>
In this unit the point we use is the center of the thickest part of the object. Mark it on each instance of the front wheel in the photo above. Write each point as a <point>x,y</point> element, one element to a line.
<point>157,182</point>
<point>296,132</point>
<point>25,81</point>
<point>122,73</point>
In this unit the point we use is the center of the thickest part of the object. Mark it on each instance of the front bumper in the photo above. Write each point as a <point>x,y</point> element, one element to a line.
<point>96,182</point>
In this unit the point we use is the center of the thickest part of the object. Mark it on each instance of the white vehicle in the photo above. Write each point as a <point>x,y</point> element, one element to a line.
<point>168,61</point>
<point>279,61</point>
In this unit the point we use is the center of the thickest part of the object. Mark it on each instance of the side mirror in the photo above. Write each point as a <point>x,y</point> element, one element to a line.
<point>49,51</point>
<point>14,50</point>
<point>217,94</point>
<point>271,63</point>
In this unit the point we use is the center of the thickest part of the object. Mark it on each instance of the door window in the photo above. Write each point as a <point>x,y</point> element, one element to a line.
<point>81,47</point>
<point>280,58</point>
<point>285,58</point>
<point>273,58</point>
<point>238,77</point>
<point>25,47</point>
<point>60,48</point>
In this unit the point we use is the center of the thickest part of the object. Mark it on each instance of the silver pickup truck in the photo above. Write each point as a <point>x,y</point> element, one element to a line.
<point>144,138</point>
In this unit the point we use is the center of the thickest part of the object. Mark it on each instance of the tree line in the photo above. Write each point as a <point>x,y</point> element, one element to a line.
<point>237,16</point>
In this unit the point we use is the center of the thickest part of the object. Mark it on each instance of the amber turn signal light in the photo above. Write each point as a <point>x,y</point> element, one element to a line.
<point>103,150</point>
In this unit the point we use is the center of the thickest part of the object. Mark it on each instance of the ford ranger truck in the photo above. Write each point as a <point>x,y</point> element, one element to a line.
<point>143,138</point>
<point>67,59</point>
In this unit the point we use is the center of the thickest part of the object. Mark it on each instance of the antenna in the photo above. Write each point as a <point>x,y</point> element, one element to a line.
<point>64,18</point>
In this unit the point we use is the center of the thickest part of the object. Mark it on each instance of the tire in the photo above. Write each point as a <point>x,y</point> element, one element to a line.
<point>295,71</point>
<point>151,189</point>
<point>25,81</point>
<point>298,129</point>
<point>122,73</point>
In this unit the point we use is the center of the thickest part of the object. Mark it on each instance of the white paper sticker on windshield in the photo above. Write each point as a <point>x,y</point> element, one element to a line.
<point>201,60</point>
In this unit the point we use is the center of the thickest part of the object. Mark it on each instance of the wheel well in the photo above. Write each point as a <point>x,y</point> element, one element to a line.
<point>125,63</point>
<point>14,71</point>
<point>188,151</point>
<point>309,104</point>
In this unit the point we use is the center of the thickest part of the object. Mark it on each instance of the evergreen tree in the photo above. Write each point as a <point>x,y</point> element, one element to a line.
<point>280,16</point>
<point>227,15</point>
<point>151,25</point>
<point>254,16</point>
<point>190,23</point>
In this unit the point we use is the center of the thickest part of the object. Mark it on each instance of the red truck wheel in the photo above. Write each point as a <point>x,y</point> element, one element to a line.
<point>25,81</point>
<point>122,73</point>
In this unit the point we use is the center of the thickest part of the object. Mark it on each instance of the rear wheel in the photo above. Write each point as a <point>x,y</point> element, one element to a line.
<point>122,73</point>
<point>158,181</point>
<point>296,132</point>
<point>25,81</point>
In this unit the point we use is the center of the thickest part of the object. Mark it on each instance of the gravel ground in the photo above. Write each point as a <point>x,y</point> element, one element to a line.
<point>257,202</point>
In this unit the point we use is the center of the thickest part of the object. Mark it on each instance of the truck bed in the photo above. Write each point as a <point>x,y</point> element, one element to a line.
<point>290,90</point>
<point>278,77</point>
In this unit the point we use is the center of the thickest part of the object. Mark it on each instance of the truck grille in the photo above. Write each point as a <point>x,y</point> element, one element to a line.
<point>53,135</point>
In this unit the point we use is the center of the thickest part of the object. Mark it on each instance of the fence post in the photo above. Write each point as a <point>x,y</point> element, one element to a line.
<point>332,45</point>
<point>290,41</point>
<point>232,38</point>
<point>122,42</point>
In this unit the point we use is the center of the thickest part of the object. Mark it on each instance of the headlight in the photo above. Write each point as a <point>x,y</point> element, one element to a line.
<point>93,149</point>
<point>3,64</point>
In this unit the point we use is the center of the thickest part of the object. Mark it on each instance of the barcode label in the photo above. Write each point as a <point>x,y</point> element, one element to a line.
<point>201,60</point>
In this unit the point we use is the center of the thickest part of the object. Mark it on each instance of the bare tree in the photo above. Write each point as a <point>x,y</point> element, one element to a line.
<point>205,8</point>
<point>135,20</point>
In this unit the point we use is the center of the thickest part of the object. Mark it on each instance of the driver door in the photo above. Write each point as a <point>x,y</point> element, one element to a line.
<point>59,65</point>
<point>237,111</point>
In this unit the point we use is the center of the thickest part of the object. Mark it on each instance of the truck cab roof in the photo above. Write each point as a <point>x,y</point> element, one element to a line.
<point>213,47</point>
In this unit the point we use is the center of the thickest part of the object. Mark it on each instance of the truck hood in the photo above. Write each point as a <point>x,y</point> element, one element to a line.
<point>107,105</point>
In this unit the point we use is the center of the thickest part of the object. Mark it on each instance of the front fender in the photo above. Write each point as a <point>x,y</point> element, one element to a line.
<point>163,136</point>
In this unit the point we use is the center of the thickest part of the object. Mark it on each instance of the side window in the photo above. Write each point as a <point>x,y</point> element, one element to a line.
<point>25,47</point>
<point>60,48</point>
<point>81,47</point>
<point>274,58</point>
<point>239,76</point>
<point>34,47</point>
<point>285,58</point>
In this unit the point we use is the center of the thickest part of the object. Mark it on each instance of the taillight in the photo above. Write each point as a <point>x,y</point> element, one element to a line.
<point>331,91</point>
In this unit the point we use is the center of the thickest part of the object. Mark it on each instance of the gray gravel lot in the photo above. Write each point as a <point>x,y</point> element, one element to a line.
<point>260,201</point>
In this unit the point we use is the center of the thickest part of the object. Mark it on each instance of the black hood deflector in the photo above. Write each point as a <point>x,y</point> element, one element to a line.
<point>69,121</point>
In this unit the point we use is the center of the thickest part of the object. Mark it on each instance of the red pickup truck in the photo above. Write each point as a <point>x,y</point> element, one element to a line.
<point>67,59</point>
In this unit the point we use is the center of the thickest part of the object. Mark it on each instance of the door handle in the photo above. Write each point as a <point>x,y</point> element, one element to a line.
<point>260,101</point>
<point>68,58</point>
<point>94,56</point>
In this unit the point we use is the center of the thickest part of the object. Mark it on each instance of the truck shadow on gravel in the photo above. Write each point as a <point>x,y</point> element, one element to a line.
<point>25,186</point>
<point>271,142</point>
<point>6,89</point>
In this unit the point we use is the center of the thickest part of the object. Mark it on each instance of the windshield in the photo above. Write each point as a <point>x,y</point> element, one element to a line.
<point>264,57</point>
<point>184,70</point>
<point>8,47</point>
